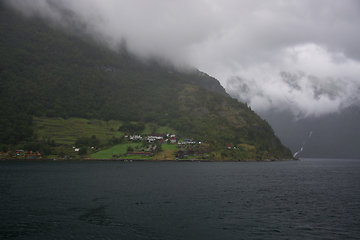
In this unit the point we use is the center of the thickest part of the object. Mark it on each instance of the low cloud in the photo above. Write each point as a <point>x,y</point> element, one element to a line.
<point>299,55</point>
<point>317,83</point>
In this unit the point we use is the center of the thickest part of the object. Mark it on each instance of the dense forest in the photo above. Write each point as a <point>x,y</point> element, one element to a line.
<point>45,71</point>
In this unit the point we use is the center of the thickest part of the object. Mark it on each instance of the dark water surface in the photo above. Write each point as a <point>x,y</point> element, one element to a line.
<point>309,199</point>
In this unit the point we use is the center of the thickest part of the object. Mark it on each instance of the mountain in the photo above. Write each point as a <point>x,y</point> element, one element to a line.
<point>315,116</point>
<point>46,71</point>
<point>335,135</point>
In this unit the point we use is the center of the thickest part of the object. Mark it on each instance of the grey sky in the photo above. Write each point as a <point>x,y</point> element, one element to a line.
<point>244,44</point>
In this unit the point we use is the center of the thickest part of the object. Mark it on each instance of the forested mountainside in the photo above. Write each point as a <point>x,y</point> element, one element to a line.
<point>45,71</point>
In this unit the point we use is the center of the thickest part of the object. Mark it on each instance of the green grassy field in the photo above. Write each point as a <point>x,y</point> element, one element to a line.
<point>119,149</point>
<point>169,147</point>
<point>67,131</point>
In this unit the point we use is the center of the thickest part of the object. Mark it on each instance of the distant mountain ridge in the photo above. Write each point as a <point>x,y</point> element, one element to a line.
<point>316,117</point>
<point>334,135</point>
<point>46,72</point>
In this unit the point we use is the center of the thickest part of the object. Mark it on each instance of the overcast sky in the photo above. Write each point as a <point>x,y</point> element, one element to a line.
<point>302,55</point>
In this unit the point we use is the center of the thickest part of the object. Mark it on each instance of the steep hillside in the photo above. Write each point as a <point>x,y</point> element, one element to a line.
<point>47,72</point>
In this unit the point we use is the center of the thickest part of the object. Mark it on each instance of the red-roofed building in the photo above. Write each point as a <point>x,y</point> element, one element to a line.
<point>153,137</point>
<point>173,140</point>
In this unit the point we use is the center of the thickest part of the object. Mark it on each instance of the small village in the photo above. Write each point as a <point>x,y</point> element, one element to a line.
<point>151,145</point>
<point>186,147</point>
<point>21,154</point>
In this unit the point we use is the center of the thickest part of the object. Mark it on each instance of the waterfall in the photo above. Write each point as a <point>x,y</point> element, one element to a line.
<point>302,147</point>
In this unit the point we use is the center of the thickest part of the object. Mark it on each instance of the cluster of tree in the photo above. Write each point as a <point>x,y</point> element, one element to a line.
<point>82,151</point>
<point>158,147</point>
<point>114,140</point>
<point>87,141</point>
<point>15,126</point>
<point>132,127</point>
<point>45,147</point>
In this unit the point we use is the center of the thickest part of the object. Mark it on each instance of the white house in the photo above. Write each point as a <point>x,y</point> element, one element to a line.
<point>188,141</point>
<point>153,137</point>
<point>135,137</point>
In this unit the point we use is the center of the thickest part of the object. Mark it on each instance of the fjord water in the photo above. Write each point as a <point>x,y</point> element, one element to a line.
<point>307,199</point>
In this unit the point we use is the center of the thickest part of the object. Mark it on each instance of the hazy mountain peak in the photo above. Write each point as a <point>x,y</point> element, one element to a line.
<point>303,94</point>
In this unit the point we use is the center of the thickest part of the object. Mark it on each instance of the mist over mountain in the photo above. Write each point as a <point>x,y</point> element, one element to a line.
<point>250,39</point>
<point>302,56</point>
<point>334,135</point>
<point>313,116</point>
<point>304,95</point>
<point>49,72</point>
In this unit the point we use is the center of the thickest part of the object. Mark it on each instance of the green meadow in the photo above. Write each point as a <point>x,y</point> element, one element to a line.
<point>67,131</point>
<point>119,149</point>
<point>169,147</point>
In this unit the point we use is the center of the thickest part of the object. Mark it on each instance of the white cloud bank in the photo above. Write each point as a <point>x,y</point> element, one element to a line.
<point>314,43</point>
<point>315,82</point>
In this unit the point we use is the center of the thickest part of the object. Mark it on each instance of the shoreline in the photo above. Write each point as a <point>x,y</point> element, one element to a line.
<point>141,160</point>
